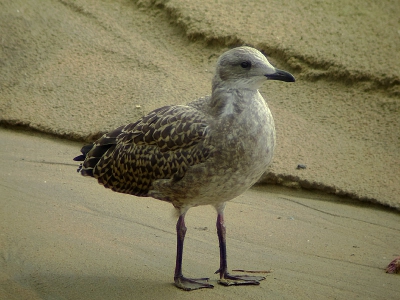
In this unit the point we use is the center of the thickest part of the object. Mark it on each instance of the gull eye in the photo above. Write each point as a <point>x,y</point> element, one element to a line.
<point>246,65</point>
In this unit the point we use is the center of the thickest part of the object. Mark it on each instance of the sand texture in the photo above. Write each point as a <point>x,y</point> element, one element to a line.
<point>76,69</point>
<point>65,237</point>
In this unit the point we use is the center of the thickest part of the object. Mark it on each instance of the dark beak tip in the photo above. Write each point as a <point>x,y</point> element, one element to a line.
<point>289,78</point>
<point>281,76</point>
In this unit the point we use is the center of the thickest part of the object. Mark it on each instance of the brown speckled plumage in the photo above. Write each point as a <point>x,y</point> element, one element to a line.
<point>204,153</point>
<point>161,145</point>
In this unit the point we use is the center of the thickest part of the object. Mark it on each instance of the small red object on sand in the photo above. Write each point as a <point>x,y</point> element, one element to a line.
<point>394,266</point>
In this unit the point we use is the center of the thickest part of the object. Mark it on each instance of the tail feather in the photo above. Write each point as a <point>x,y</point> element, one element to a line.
<point>91,154</point>
<point>93,158</point>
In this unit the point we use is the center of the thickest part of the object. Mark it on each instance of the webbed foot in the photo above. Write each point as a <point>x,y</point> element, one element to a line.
<point>228,279</point>
<point>190,284</point>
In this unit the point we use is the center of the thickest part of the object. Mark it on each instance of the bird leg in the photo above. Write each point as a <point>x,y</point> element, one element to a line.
<point>225,278</point>
<point>187,284</point>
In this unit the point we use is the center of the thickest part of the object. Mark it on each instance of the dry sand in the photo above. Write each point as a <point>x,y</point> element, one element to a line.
<point>79,68</point>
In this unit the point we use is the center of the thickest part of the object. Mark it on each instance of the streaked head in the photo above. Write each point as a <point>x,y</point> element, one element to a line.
<point>246,68</point>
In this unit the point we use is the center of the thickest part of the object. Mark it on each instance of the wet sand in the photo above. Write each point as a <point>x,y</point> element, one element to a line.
<point>65,237</point>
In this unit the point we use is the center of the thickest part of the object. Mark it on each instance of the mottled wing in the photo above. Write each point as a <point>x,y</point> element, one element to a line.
<point>161,145</point>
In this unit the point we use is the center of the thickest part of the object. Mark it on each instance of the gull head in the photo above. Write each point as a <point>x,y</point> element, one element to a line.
<point>246,68</point>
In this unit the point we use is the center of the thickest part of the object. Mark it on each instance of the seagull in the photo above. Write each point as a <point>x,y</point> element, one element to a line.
<point>204,153</point>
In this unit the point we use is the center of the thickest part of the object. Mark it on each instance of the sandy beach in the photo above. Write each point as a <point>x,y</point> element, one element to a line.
<point>66,237</point>
<point>72,70</point>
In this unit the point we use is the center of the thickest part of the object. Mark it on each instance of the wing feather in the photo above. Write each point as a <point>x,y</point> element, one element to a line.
<point>161,145</point>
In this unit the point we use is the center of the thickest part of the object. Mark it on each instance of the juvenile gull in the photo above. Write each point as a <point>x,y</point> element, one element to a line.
<point>204,153</point>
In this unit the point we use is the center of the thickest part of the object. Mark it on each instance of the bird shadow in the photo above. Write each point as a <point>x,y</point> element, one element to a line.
<point>55,286</point>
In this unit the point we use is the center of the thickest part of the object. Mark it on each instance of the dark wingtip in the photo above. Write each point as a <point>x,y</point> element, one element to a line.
<point>80,158</point>
<point>85,150</point>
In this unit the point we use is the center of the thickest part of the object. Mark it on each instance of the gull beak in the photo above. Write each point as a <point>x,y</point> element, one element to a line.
<point>281,75</point>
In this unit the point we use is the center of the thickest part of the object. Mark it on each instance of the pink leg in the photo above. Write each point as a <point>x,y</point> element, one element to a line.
<point>182,282</point>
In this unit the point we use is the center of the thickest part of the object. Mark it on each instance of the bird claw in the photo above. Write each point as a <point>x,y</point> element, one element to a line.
<point>190,284</point>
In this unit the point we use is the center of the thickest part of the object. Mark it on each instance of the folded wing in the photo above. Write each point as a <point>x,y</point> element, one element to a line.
<point>161,145</point>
